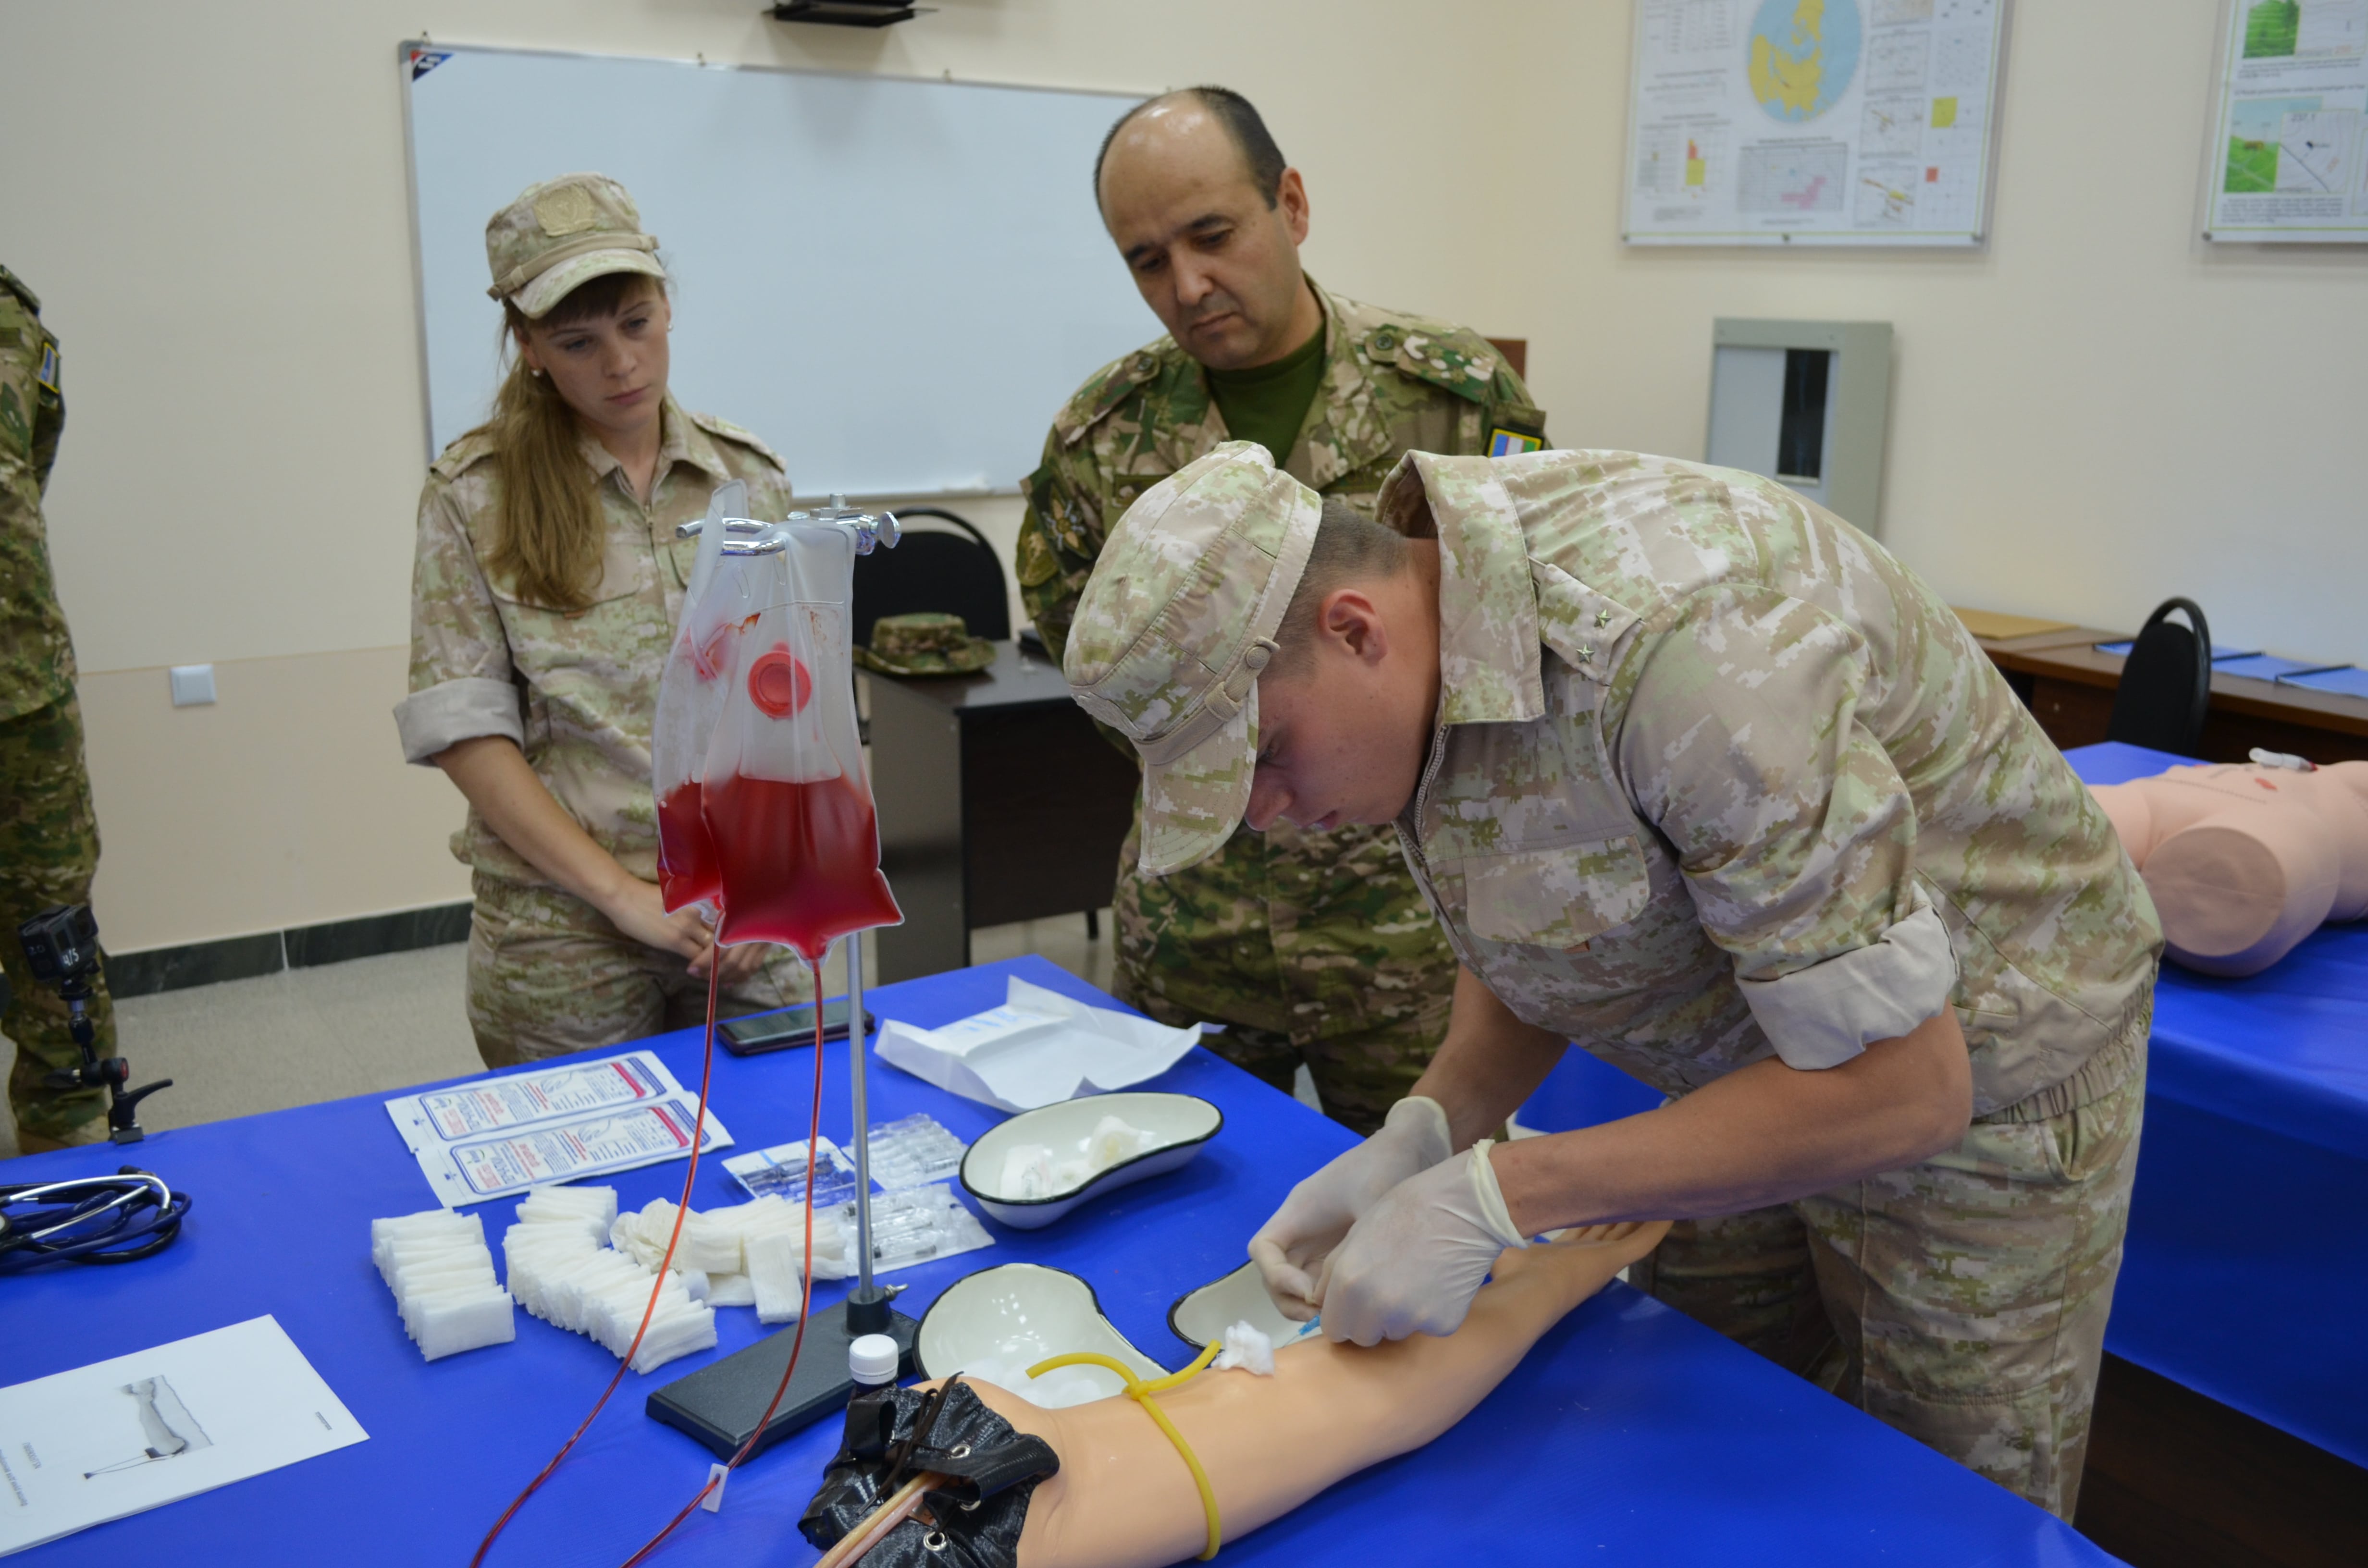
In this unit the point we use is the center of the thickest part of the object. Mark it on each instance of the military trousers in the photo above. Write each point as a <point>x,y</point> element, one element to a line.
<point>49,851</point>
<point>1962,1301</point>
<point>1313,947</point>
<point>549,973</point>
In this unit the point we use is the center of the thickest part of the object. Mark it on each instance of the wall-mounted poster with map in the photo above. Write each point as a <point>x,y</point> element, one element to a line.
<point>2287,160</point>
<point>1813,121</point>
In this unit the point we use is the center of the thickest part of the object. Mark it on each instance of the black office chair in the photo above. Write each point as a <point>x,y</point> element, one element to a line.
<point>2165,683</point>
<point>933,570</point>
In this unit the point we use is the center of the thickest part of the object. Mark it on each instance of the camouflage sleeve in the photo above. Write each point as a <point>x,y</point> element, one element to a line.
<point>1060,538</point>
<point>1509,398</point>
<point>1742,741</point>
<point>462,680</point>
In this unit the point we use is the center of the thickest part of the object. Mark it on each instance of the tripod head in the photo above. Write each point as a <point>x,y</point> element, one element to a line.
<point>61,946</point>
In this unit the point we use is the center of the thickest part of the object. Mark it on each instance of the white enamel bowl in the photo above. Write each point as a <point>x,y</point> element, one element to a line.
<point>1021,1314</point>
<point>1200,1317</point>
<point>1181,1123</point>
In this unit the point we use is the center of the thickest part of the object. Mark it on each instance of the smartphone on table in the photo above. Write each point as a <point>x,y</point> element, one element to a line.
<point>760,1032</point>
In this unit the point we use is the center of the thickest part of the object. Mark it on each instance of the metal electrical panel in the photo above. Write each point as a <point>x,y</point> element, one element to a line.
<point>1805,403</point>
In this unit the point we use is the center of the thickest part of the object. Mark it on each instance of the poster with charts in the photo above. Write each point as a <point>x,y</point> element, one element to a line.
<point>2288,160</point>
<point>1828,123</point>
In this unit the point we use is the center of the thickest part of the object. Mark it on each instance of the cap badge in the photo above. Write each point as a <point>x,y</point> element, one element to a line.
<point>566,210</point>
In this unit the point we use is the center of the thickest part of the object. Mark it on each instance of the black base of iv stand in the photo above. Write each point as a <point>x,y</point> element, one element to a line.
<point>720,1406</point>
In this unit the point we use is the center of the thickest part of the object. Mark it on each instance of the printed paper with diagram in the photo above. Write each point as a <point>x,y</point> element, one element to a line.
<point>121,1436</point>
<point>1812,121</point>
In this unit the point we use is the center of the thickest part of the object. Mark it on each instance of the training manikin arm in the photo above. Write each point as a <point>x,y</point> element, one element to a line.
<point>1124,1499</point>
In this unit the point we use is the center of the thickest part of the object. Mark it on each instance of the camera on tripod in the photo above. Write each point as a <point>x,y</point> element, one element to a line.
<point>61,946</point>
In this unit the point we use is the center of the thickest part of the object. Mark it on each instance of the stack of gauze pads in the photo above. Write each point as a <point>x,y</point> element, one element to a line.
<point>442,1277</point>
<point>561,1273</point>
<point>750,1255</point>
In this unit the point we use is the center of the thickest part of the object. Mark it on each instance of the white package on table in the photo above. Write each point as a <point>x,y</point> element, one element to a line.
<point>1037,1049</point>
<point>124,1436</point>
<point>495,1136</point>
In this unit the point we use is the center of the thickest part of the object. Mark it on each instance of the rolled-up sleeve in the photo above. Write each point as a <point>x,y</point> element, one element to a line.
<point>1743,742</point>
<point>462,680</point>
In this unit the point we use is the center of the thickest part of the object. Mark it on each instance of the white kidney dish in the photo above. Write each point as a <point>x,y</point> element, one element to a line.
<point>1200,1317</point>
<point>995,1325</point>
<point>1173,1128</point>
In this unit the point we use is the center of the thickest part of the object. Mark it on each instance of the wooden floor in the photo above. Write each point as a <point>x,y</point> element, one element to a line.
<point>2176,1480</point>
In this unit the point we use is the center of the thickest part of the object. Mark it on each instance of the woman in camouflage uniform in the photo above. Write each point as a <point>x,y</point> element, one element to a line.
<point>547,587</point>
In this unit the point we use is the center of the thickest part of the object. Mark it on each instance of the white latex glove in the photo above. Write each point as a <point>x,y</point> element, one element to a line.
<point>1290,1247</point>
<point>1415,1261</point>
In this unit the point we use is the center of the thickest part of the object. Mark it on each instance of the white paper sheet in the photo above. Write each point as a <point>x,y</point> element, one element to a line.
<point>493,1137</point>
<point>1037,1048</point>
<point>119,1437</point>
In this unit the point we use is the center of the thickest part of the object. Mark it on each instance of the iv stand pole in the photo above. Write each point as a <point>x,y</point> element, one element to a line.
<point>867,1304</point>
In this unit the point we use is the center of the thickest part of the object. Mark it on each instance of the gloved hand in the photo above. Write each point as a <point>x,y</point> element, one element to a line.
<point>1290,1247</point>
<point>1417,1257</point>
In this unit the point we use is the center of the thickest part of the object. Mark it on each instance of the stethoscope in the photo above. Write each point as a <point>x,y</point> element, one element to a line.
<point>104,1219</point>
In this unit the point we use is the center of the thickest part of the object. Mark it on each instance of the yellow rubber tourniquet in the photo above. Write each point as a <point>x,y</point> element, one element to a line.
<point>1141,1392</point>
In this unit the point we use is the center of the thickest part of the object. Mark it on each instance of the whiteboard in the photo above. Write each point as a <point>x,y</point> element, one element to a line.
<point>1851,123</point>
<point>895,283</point>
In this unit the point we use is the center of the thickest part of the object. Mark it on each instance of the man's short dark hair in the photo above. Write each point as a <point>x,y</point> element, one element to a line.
<point>1349,547</point>
<point>1260,156</point>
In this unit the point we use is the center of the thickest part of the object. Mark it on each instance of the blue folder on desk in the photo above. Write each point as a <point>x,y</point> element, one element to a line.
<point>2266,666</point>
<point>2220,651</point>
<point>2349,679</point>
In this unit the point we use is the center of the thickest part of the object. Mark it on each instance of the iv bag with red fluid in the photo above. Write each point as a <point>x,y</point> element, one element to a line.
<point>692,690</point>
<point>774,822</point>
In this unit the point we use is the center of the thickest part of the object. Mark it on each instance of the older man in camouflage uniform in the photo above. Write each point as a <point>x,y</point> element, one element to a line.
<point>1698,775</point>
<point>49,839</point>
<point>1310,947</point>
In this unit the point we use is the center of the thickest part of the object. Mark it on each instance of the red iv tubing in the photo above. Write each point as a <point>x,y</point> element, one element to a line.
<point>682,1209</point>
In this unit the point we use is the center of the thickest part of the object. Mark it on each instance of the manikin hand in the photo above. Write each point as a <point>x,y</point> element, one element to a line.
<point>1415,1261</point>
<point>1290,1248</point>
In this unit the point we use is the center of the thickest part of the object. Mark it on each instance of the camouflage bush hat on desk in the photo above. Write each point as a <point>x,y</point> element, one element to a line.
<point>925,644</point>
<point>1174,625</point>
<point>561,235</point>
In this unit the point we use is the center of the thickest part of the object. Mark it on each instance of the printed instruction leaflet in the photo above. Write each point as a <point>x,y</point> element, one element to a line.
<point>492,1137</point>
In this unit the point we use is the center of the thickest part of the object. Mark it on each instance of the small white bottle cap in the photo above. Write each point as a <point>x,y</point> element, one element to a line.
<point>871,1359</point>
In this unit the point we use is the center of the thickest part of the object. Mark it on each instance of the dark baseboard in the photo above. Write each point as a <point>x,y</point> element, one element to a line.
<point>2178,1480</point>
<point>299,946</point>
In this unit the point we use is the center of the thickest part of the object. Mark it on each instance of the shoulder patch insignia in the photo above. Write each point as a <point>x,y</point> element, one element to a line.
<point>48,373</point>
<point>1507,439</point>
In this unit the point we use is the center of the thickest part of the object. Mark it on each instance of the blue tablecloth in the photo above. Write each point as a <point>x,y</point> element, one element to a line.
<point>1630,1430</point>
<point>2248,1253</point>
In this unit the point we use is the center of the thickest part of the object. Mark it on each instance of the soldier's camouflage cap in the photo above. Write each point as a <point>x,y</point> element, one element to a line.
<point>561,235</point>
<point>1173,629</point>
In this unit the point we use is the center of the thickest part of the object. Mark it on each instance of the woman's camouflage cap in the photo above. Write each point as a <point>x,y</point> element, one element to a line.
<point>558,235</point>
<point>1173,629</point>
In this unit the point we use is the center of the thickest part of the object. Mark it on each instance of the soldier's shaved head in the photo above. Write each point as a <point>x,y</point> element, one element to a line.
<point>1262,161</point>
<point>1209,218</point>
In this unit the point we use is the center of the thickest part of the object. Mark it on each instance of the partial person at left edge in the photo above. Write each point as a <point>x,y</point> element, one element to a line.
<point>546,591</point>
<point>48,836</point>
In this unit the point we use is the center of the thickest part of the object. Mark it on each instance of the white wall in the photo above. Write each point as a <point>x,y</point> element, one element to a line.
<point>2091,413</point>
<point>2088,416</point>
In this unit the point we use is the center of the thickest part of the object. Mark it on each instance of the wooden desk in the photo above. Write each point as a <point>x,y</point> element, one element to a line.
<point>998,802</point>
<point>2069,688</point>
